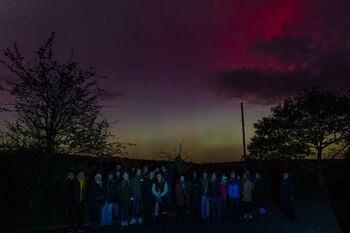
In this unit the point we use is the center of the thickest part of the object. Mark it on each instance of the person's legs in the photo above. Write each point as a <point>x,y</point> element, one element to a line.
<point>218,209</point>
<point>80,213</point>
<point>237,208</point>
<point>207,208</point>
<point>291,211</point>
<point>115,209</point>
<point>110,214</point>
<point>104,214</point>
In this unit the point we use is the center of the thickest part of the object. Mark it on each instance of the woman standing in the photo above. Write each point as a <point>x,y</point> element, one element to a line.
<point>125,196</point>
<point>182,196</point>
<point>214,198</point>
<point>287,197</point>
<point>259,193</point>
<point>247,199</point>
<point>160,191</point>
<point>223,197</point>
<point>97,196</point>
<point>234,195</point>
<point>111,199</point>
<point>148,197</point>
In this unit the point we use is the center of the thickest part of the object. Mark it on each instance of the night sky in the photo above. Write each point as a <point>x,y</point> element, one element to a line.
<point>179,69</point>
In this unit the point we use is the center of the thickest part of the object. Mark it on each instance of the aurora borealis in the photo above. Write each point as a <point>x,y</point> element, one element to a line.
<point>179,69</point>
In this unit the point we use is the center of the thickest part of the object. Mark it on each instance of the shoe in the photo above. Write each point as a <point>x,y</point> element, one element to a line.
<point>245,216</point>
<point>140,221</point>
<point>124,223</point>
<point>250,216</point>
<point>133,221</point>
<point>80,230</point>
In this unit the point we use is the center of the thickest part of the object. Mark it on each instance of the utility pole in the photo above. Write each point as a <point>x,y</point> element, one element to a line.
<point>243,130</point>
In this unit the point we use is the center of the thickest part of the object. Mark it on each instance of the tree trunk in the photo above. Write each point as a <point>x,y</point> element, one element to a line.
<point>37,186</point>
<point>320,169</point>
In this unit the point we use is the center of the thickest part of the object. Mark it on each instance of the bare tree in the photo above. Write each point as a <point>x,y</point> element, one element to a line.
<point>56,109</point>
<point>179,160</point>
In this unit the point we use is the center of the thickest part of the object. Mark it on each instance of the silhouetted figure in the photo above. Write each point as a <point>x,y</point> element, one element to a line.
<point>125,197</point>
<point>96,201</point>
<point>214,198</point>
<point>287,197</point>
<point>205,204</point>
<point>182,197</point>
<point>259,193</point>
<point>148,197</point>
<point>137,208</point>
<point>111,193</point>
<point>234,195</point>
<point>78,199</point>
<point>223,198</point>
<point>195,197</point>
<point>118,178</point>
<point>67,198</point>
<point>160,192</point>
<point>247,198</point>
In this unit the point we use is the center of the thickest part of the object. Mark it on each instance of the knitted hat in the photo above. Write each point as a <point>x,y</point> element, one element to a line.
<point>224,178</point>
<point>125,174</point>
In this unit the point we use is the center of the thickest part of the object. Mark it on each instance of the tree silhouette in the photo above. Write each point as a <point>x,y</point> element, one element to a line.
<point>315,122</point>
<point>56,110</point>
<point>178,159</point>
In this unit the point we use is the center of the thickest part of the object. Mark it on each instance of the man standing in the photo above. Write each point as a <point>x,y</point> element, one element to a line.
<point>205,208</point>
<point>287,197</point>
<point>78,199</point>
<point>195,197</point>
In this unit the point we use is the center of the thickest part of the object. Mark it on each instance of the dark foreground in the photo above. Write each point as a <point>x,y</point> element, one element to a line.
<point>314,215</point>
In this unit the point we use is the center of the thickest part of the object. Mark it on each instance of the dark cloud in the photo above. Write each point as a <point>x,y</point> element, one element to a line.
<point>109,95</point>
<point>297,59</point>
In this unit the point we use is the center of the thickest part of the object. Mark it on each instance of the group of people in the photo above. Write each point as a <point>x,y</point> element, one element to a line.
<point>143,195</point>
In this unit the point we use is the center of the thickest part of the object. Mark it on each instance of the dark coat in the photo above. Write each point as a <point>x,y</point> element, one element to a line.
<point>78,193</point>
<point>195,189</point>
<point>96,194</point>
<point>286,190</point>
<point>259,192</point>
<point>146,190</point>
<point>125,193</point>
<point>111,191</point>
<point>182,194</point>
<point>213,189</point>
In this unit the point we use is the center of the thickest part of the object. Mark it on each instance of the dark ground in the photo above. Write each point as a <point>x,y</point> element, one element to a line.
<point>314,215</point>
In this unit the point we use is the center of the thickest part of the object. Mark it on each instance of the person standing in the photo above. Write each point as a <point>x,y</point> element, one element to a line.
<point>125,197</point>
<point>205,205</point>
<point>223,197</point>
<point>247,199</point>
<point>195,197</point>
<point>287,197</point>
<point>214,198</point>
<point>137,209</point>
<point>67,198</point>
<point>78,199</point>
<point>182,195</point>
<point>168,177</point>
<point>111,194</point>
<point>118,178</point>
<point>259,193</point>
<point>160,192</point>
<point>148,197</point>
<point>96,200</point>
<point>234,190</point>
